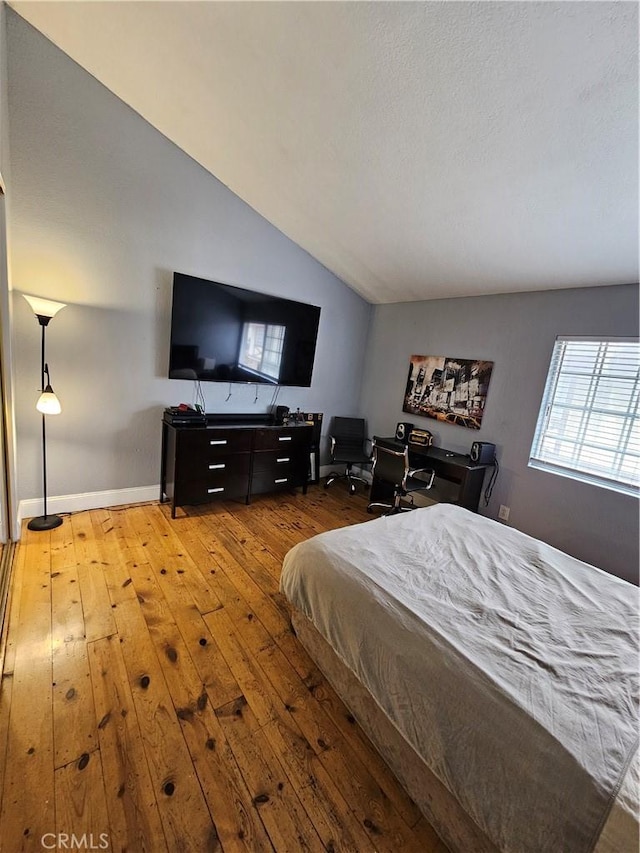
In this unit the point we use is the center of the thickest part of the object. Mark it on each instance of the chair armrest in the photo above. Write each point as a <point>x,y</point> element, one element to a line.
<point>332,446</point>
<point>413,472</point>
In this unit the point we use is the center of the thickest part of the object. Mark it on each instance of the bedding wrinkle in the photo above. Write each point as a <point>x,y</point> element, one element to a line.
<point>493,655</point>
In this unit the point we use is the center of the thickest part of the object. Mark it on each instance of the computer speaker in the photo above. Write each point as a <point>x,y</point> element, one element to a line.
<point>482,452</point>
<point>402,431</point>
<point>281,413</point>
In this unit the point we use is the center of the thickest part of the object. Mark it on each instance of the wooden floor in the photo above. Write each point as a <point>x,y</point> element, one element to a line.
<point>155,699</point>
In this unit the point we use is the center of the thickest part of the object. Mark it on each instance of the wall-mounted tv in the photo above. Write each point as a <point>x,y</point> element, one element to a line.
<point>223,333</point>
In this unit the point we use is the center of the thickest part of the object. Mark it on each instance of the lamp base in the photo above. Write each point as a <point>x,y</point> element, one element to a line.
<point>44,522</point>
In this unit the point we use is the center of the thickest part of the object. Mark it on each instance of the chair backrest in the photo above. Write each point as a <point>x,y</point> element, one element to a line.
<point>349,434</point>
<point>389,465</point>
<point>348,428</point>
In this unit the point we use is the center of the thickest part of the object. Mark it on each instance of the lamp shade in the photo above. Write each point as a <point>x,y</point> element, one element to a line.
<point>44,307</point>
<point>48,403</point>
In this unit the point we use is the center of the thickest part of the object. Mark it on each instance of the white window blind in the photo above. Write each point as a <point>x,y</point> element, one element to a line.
<point>589,422</point>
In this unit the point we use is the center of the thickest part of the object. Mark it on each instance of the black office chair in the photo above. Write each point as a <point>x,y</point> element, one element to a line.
<point>349,447</point>
<point>392,468</point>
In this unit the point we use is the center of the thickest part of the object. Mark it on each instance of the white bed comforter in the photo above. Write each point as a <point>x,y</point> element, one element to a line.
<point>509,666</point>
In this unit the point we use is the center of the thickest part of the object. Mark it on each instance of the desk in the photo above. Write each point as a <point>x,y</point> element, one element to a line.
<point>458,480</point>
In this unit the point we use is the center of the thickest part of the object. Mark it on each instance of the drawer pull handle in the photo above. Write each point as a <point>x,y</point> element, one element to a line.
<point>219,441</point>
<point>219,465</point>
<point>282,480</point>
<point>219,489</point>
<point>284,438</point>
<point>284,459</point>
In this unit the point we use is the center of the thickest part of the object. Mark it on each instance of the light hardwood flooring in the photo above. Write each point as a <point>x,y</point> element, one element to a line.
<point>155,699</point>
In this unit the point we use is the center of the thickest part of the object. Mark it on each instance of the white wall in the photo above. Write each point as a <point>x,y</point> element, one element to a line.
<point>517,333</point>
<point>104,210</point>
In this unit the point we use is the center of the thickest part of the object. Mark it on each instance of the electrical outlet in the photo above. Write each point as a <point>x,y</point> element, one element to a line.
<point>503,513</point>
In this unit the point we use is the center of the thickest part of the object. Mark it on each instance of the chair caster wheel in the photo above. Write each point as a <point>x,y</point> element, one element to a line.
<point>369,510</point>
<point>352,490</point>
<point>326,485</point>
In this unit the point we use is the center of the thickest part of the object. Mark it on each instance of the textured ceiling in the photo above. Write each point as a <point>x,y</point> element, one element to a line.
<point>417,149</point>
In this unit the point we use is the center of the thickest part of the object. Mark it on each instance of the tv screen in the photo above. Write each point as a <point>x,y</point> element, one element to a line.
<point>223,333</point>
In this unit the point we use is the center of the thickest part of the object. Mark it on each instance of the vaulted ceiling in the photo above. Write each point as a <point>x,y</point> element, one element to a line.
<point>417,149</point>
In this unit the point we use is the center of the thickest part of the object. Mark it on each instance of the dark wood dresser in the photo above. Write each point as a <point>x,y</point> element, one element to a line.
<point>232,457</point>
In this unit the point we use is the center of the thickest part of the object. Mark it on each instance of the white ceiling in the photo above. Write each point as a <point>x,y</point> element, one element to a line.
<point>417,149</point>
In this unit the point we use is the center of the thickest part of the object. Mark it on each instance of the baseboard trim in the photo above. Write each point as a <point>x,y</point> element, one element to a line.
<point>87,500</point>
<point>114,497</point>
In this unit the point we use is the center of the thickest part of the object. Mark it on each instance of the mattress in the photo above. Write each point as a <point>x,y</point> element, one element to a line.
<point>508,666</point>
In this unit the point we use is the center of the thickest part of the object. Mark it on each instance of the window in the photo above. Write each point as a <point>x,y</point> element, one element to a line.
<point>589,422</point>
<point>261,349</point>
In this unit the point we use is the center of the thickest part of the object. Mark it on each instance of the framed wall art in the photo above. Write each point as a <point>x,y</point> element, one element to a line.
<point>452,390</point>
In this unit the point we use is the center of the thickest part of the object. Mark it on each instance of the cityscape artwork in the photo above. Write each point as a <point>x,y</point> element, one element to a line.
<point>453,390</point>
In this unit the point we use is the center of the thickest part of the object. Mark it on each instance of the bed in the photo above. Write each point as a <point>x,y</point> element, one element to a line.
<point>496,675</point>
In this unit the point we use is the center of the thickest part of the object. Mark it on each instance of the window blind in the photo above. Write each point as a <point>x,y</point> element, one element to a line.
<point>589,422</point>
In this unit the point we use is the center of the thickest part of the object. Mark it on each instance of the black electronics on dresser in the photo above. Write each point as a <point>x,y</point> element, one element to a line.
<point>184,416</point>
<point>281,413</point>
<point>402,431</point>
<point>483,452</point>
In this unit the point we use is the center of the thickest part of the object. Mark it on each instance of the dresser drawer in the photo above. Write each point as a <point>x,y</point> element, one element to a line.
<point>201,491</point>
<point>281,439</point>
<point>279,469</point>
<point>280,463</point>
<point>213,470</point>
<point>272,482</point>
<point>207,443</point>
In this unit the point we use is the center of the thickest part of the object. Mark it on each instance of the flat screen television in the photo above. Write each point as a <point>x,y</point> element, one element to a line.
<point>223,333</point>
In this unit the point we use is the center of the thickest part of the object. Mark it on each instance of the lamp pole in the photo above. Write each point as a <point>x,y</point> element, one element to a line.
<point>48,404</point>
<point>44,429</point>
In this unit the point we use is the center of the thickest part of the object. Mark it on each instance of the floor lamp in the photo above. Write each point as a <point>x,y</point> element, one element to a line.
<point>48,403</point>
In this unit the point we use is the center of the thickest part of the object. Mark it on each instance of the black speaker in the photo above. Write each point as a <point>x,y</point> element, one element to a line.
<point>483,452</point>
<point>402,431</point>
<point>281,413</point>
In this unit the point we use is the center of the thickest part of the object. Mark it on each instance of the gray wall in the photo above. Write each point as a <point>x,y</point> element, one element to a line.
<point>104,208</point>
<point>517,333</point>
